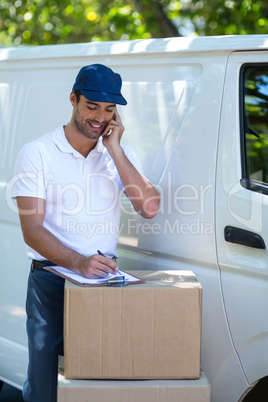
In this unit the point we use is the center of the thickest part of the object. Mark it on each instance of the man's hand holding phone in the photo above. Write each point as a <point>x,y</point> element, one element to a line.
<point>113,132</point>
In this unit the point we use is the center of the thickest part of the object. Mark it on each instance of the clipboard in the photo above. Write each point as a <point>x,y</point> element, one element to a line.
<point>121,279</point>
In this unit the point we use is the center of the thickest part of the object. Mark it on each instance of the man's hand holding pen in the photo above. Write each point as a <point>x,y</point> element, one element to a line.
<point>97,266</point>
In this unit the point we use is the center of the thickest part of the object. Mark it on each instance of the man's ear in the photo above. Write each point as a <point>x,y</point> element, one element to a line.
<point>73,98</point>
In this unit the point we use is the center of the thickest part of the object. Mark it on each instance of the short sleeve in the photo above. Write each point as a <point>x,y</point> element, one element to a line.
<point>28,179</point>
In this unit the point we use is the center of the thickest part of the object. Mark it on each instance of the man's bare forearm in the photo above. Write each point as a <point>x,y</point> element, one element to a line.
<point>47,245</point>
<point>143,196</point>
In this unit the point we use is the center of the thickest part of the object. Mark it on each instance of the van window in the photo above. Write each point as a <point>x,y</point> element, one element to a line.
<point>158,102</point>
<point>159,97</point>
<point>255,126</point>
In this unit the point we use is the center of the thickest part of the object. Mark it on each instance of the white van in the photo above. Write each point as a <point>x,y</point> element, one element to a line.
<point>197,116</point>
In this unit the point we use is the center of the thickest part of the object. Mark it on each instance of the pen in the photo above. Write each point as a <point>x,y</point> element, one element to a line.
<point>100,253</point>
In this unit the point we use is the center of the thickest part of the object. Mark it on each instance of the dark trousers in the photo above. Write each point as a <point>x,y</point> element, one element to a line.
<point>44,308</point>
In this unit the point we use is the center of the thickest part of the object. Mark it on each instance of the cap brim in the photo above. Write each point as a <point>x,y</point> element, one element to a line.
<point>97,96</point>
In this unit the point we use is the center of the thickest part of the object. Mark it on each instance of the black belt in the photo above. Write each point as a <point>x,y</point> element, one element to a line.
<point>39,265</point>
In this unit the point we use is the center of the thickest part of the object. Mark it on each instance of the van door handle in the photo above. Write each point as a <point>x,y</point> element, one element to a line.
<point>243,237</point>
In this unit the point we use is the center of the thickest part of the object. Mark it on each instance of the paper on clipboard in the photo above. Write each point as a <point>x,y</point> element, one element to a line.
<point>80,280</point>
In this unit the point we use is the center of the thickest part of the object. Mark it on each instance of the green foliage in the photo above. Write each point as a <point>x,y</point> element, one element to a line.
<point>39,22</point>
<point>228,17</point>
<point>256,122</point>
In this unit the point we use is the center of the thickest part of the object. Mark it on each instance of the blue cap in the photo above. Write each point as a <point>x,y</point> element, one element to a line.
<point>99,83</point>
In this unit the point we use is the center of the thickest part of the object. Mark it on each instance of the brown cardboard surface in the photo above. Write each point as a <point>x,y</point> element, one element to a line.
<point>134,391</point>
<point>145,331</point>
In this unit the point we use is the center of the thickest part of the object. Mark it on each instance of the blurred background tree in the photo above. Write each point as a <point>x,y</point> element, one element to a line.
<point>40,22</point>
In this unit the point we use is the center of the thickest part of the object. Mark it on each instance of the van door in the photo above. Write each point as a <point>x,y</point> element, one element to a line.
<point>242,208</point>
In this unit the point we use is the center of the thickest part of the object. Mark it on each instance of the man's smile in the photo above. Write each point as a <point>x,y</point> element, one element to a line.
<point>96,126</point>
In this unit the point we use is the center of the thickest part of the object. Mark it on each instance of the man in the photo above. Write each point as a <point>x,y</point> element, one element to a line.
<point>71,177</point>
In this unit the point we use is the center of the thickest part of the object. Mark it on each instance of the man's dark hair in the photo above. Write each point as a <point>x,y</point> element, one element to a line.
<point>77,93</point>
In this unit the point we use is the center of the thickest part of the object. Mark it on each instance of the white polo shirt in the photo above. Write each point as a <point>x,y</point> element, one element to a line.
<point>83,195</point>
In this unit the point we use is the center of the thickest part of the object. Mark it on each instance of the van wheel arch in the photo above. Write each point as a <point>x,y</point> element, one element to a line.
<point>257,392</point>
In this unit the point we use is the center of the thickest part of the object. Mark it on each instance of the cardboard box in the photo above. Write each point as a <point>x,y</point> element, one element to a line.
<point>143,331</point>
<point>134,391</point>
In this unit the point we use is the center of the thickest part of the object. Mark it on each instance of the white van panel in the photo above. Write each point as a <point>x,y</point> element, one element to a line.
<point>244,270</point>
<point>14,273</point>
<point>182,236</point>
<point>184,177</point>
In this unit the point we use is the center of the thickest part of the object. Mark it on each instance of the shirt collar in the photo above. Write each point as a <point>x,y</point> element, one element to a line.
<point>63,144</point>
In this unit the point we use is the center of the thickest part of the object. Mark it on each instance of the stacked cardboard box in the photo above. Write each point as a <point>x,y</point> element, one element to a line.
<point>147,331</point>
<point>134,390</point>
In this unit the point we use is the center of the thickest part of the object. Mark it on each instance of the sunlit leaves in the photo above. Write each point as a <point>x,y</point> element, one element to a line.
<point>229,17</point>
<point>71,21</point>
